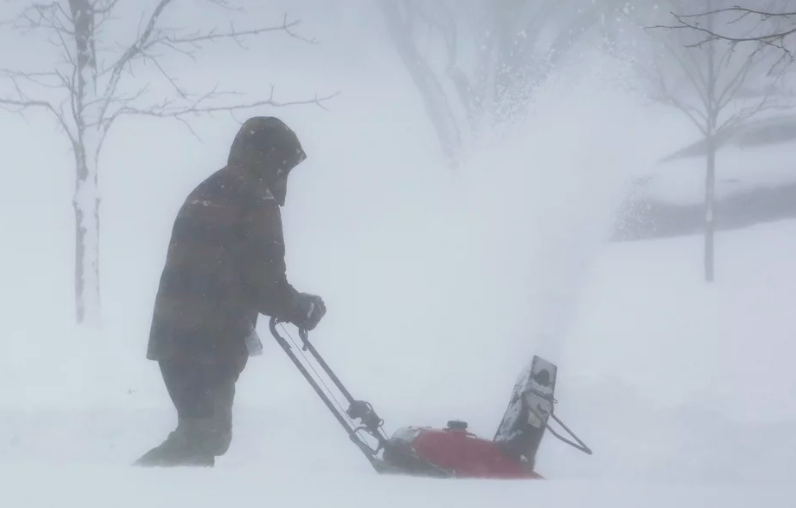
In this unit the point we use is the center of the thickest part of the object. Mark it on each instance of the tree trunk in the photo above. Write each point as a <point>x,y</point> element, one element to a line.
<point>710,183</point>
<point>87,112</point>
<point>431,91</point>
<point>506,64</point>
<point>86,205</point>
<point>710,172</point>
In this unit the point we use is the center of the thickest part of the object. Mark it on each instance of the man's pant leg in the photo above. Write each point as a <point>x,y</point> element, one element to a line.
<point>203,396</point>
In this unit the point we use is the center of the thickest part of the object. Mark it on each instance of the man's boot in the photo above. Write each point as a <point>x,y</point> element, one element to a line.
<point>189,445</point>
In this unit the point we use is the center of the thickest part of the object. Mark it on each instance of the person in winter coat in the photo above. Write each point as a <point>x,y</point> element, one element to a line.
<point>225,265</point>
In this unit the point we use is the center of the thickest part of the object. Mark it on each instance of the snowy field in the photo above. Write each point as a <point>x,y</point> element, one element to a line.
<point>683,392</point>
<point>681,182</point>
<point>252,487</point>
<point>440,288</point>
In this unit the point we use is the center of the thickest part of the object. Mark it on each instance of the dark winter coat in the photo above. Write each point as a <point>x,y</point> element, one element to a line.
<point>226,258</point>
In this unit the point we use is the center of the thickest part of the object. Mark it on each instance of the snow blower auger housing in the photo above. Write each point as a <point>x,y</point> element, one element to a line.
<point>450,452</point>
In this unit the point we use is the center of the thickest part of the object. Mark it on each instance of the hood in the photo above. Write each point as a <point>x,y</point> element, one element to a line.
<point>266,146</point>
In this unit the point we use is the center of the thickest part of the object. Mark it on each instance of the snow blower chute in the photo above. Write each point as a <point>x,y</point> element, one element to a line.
<point>450,452</point>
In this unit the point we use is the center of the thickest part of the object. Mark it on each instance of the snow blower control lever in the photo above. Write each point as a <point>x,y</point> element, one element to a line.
<point>452,452</point>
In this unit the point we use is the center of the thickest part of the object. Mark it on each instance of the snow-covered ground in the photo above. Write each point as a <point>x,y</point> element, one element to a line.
<point>440,288</point>
<point>254,487</point>
<point>738,170</point>
<point>743,163</point>
<point>684,393</point>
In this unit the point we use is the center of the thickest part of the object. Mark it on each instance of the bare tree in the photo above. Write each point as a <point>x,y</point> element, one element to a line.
<point>476,62</point>
<point>770,25</point>
<point>716,87</point>
<point>83,92</point>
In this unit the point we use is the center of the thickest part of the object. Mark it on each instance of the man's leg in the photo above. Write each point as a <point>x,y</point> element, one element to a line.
<point>205,410</point>
<point>203,396</point>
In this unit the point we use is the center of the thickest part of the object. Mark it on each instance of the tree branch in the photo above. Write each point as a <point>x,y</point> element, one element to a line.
<point>203,105</point>
<point>23,102</point>
<point>37,78</point>
<point>728,93</point>
<point>135,49</point>
<point>774,39</point>
<point>720,84</point>
<point>174,41</point>
<point>50,16</point>
<point>153,37</point>
<point>749,112</point>
<point>100,108</point>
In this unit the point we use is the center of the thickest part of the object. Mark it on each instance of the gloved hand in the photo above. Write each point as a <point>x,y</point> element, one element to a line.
<point>308,312</point>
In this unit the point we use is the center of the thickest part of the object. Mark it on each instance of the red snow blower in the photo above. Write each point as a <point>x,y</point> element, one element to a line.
<point>452,452</point>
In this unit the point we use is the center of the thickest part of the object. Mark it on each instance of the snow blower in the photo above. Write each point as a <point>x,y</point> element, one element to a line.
<point>450,452</point>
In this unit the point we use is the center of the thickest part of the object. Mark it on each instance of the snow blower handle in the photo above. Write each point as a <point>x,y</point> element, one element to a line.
<point>303,333</point>
<point>306,345</point>
<point>358,409</point>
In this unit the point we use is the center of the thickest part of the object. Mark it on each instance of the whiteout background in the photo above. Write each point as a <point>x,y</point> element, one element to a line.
<point>439,287</point>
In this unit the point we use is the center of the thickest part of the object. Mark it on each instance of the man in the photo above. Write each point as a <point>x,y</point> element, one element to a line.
<point>225,265</point>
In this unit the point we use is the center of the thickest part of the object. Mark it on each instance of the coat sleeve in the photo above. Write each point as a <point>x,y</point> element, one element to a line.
<point>263,258</point>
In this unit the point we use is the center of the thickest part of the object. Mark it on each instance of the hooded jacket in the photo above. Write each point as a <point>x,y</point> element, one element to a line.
<point>225,262</point>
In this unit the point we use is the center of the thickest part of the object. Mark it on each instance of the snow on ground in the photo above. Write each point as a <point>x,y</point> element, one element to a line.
<point>684,392</point>
<point>697,377</point>
<point>742,165</point>
<point>252,487</point>
<point>738,170</point>
<point>440,288</point>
